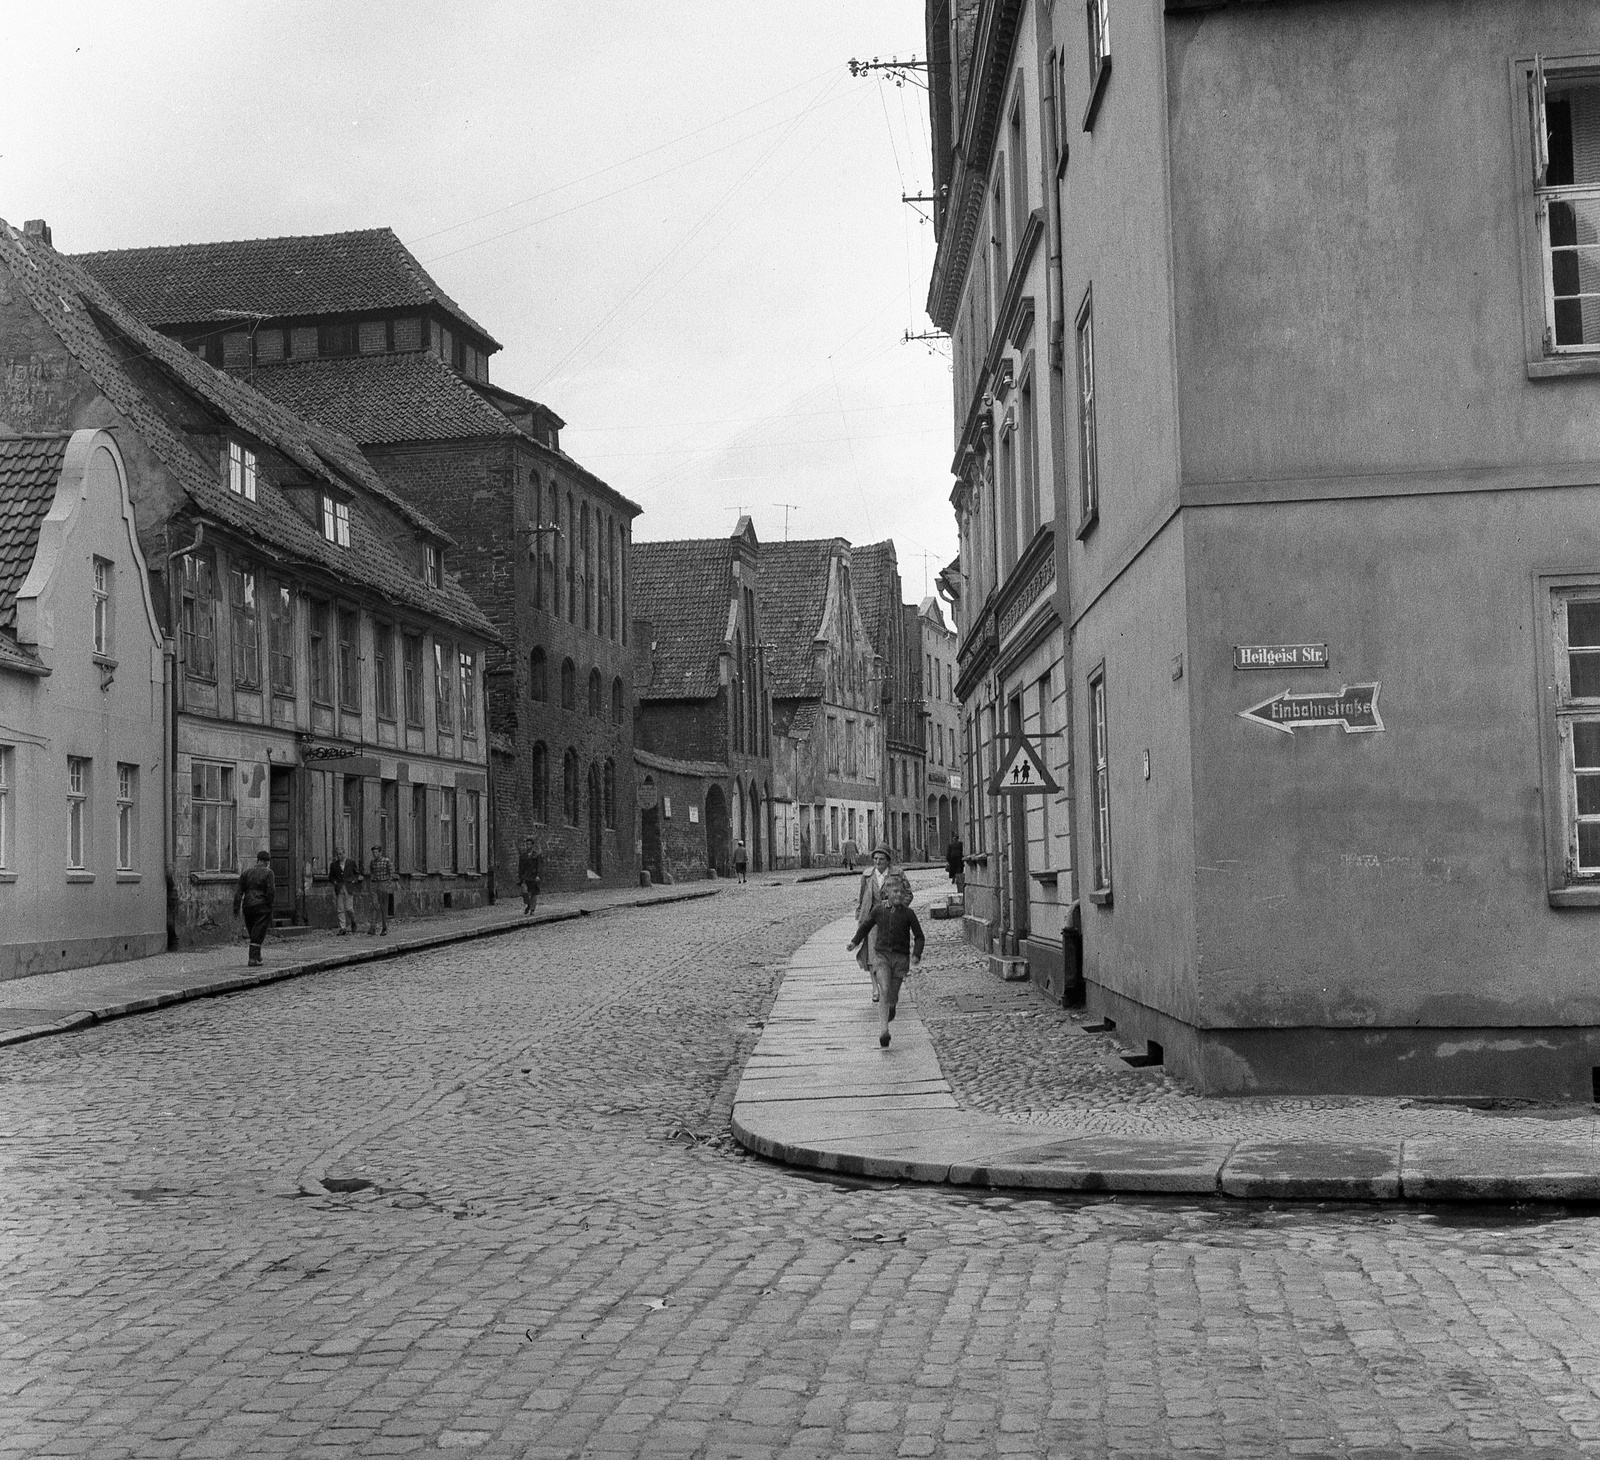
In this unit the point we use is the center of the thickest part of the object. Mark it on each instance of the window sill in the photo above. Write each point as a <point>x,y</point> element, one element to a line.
<point>127,876</point>
<point>1558,367</point>
<point>981,860</point>
<point>105,661</point>
<point>9,876</point>
<point>199,878</point>
<point>1575,896</point>
<point>1047,878</point>
<point>321,704</point>
<point>1101,899</point>
<point>1086,525</point>
<point>210,679</point>
<point>80,876</point>
<point>1096,92</point>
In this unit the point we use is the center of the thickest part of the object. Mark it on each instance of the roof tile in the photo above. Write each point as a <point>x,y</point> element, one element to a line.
<point>684,589</point>
<point>30,467</point>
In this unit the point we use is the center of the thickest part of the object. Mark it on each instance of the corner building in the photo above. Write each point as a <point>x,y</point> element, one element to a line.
<point>1331,351</point>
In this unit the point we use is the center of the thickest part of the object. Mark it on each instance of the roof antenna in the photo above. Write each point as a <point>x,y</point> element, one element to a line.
<point>788,507</point>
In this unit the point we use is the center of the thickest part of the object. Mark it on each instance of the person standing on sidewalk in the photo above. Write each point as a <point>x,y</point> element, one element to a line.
<point>874,885</point>
<point>255,895</point>
<point>741,859</point>
<point>528,875</point>
<point>380,875</point>
<point>892,926</point>
<point>955,863</point>
<point>344,876</point>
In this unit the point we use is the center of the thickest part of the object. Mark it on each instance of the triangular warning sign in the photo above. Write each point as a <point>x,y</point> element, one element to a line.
<point>1022,773</point>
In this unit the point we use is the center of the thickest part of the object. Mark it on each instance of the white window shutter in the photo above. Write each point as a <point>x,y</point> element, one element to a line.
<point>1539,123</point>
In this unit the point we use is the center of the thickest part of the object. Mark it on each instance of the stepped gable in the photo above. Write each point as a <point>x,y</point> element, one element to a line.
<point>794,594</point>
<point>684,588</point>
<point>102,334</point>
<point>298,276</point>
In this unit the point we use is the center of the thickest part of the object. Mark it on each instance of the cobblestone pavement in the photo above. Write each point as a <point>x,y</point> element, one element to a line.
<point>483,1200</point>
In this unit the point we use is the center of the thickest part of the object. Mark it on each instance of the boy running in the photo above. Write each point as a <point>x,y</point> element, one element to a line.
<point>895,953</point>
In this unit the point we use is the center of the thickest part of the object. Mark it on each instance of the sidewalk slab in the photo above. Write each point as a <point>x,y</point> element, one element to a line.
<point>818,1092</point>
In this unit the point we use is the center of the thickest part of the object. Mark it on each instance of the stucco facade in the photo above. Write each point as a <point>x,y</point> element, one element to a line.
<point>83,715</point>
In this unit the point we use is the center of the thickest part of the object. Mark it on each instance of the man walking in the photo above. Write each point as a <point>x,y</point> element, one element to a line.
<point>741,859</point>
<point>380,873</point>
<point>255,895</point>
<point>528,875</point>
<point>344,876</point>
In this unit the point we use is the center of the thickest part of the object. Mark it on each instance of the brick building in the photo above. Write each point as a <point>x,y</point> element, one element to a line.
<point>827,749</point>
<point>935,642</point>
<point>705,711</point>
<point>349,330</point>
<point>329,680</point>
<point>898,671</point>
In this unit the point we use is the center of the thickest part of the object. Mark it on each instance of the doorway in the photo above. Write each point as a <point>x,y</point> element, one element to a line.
<point>717,831</point>
<point>281,842</point>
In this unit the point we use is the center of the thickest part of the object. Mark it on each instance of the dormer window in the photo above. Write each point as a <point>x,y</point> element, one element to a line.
<point>241,471</point>
<point>335,520</point>
<point>433,565</point>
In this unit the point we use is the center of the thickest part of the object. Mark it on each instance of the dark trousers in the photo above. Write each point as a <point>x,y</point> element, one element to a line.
<point>258,920</point>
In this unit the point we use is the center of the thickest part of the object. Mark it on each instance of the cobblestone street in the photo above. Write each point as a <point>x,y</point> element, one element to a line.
<point>483,1199</point>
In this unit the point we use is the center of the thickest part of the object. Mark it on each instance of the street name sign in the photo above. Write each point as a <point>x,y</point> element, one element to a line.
<point>1280,656</point>
<point>1355,707</point>
<point>1023,774</point>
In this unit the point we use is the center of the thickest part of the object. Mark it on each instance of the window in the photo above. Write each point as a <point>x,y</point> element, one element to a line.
<point>1099,16</point>
<point>569,685</point>
<point>419,828</point>
<point>412,644</point>
<point>469,831</point>
<point>1088,447</point>
<point>444,710</point>
<point>321,655</point>
<point>1100,787</point>
<point>569,787</point>
<point>447,827</point>
<point>611,795</point>
<point>1566,140</point>
<point>102,607</point>
<point>468,669</point>
<point>833,744</point>
<point>7,814</point>
<point>280,638</point>
<point>571,541</point>
<point>127,816</point>
<point>594,694</point>
<point>246,628</point>
<point>586,567</point>
<point>349,659</point>
<point>1019,171</point>
<point>538,680</point>
<point>241,471</point>
<point>77,813</point>
<point>616,700</point>
<point>850,747</point>
<point>1575,622</point>
<point>552,552</point>
<point>383,668</point>
<point>335,521</point>
<point>1028,457</point>
<point>199,617</point>
<point>541,783</point>
<point>211,814</point>
<point>433,565</point>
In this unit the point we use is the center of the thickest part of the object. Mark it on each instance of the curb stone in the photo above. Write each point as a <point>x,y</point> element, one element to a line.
<point>256,978</point>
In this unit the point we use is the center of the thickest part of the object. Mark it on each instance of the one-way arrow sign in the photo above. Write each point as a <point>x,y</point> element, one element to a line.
<point>1355,707</point>
<point>1023,774</point>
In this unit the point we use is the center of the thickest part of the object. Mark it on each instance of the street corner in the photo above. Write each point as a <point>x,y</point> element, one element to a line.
<point>1301,1169</point>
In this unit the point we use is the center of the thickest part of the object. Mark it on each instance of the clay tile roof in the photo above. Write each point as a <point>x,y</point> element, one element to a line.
<point>874,575</point>
<point>30,467</point>
<point>794,593</point>
<point>324,273</point>
<point>105,338</point>
<point>379,399</point>
<point>684,588</point>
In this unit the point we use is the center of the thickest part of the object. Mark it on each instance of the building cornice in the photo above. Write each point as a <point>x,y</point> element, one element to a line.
<point>996,38</point>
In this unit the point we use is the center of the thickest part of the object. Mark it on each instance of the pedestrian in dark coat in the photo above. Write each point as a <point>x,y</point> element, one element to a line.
<point>255,895</point>
<point>344,876</point>
<point>955,863</point>
<point>528,875</point>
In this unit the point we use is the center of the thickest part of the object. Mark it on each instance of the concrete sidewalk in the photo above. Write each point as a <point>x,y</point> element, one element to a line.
<point>819,1092</point>
<point>55,1003</point>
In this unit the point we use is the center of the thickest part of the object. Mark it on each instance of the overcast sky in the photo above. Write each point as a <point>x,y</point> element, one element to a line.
<point>682,222</point>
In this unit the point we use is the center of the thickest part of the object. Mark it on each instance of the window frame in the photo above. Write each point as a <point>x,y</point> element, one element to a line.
<point>1536,75</point>
<point>383,683</point>
<point>7,809</point>
<point>413,676</point>
<point>334,520</point>
<point>444,710</point>
<point>280,637</point>
<point>225,818</point>
<point>1097,14</point>
<point>467,672</point>
<point>127,817</point>
<point>1566,885</point>
<point>244,622</point>
<point>101,578</point>
<point>80,831</point>
<point>242,470</point>
<point>197,616</point>
<point>1088,421</point>
<point>320,651</point>
<point>1101,866</point>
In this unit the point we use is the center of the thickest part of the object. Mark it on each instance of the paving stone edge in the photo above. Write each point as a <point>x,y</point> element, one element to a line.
<point>237,982</point>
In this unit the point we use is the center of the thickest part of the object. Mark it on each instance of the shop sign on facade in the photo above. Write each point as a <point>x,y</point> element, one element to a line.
<point>1280,656</point>
<point>1355,707</point>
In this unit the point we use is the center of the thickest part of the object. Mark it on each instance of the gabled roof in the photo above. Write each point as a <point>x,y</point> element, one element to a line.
<point>684,588</point>
<point>381,399</point>
<point>874,574</point>
<point>105,338</point>
<point>794,593</point>
<point>294,277</point>
<point>30,468</point>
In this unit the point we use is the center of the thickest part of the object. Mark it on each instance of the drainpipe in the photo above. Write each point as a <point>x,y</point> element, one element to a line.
<point>169,651</point>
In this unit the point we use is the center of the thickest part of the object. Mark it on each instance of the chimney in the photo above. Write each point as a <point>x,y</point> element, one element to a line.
<point>37,228</point>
